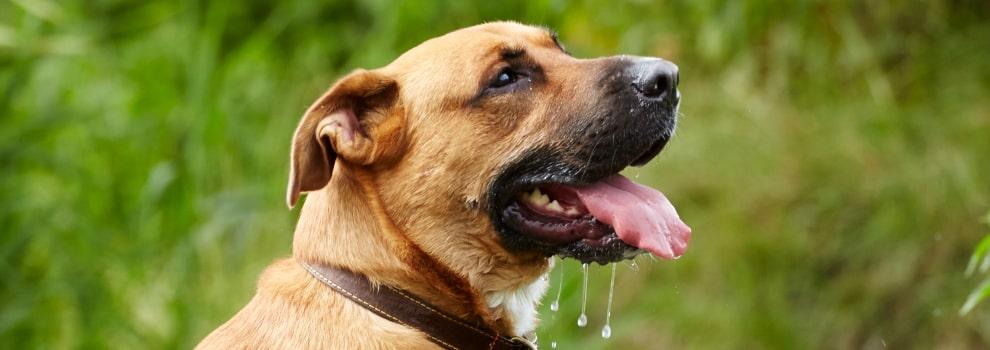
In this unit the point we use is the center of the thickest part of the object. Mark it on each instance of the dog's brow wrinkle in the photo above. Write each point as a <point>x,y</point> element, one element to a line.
<point>509,52</point>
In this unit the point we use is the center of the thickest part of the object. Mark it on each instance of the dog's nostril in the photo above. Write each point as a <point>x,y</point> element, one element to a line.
<point>657,85</point>
<point>655,78</point>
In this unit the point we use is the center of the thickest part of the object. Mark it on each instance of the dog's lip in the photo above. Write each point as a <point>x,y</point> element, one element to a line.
<point>640,216</point>
<point>554,229</point>
<point>511,205</point>
<point>510,197</point>
<point>652,152</point>
<point>583,178</point>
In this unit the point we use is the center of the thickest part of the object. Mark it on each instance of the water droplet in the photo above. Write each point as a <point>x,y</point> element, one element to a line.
<point>583,319</point>
<point>553,344</point>
<point>607,329</point>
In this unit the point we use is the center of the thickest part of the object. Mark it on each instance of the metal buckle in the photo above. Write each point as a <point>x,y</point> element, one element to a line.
<point>529,343</point>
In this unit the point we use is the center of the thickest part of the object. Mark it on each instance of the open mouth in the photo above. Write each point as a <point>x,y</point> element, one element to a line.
<point>572,202</point>
<point>607,220</point>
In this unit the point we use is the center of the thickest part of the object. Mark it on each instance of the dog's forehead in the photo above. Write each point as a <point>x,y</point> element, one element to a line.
<point>511,30</point>
<point>450,68</point>
<point>478,44</point>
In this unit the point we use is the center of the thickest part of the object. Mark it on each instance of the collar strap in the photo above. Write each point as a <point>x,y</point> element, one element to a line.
<point>396,305</point>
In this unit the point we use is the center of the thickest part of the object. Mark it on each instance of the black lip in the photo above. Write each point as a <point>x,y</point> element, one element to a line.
<point>650,153</point>
<point>544,166</point>
<point>554,229</point>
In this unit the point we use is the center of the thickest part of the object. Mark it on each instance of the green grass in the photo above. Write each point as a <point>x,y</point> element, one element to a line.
<point>833,159</point>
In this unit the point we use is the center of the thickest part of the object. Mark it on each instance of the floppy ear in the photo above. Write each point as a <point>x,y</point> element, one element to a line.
<point>335,124</point>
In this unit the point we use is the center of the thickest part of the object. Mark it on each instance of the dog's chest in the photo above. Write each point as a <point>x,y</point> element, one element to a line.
<point>519,305</point>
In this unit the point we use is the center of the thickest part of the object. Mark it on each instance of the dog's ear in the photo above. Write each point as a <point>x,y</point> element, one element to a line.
<point>338,124</point>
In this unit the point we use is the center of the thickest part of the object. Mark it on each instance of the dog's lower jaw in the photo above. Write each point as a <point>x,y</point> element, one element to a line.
<point>519,305</point>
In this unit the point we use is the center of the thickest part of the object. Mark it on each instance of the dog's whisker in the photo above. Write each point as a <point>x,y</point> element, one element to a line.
<point>611,162</point>
<point>591,154</point>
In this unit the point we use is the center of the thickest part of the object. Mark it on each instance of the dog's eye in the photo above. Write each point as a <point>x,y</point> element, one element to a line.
<point>505,78</point>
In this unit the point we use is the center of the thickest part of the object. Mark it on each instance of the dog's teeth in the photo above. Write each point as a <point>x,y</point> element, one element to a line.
<point>536,197</point>
<point>539,198</point>
<point>571,211</point>
<point>555,206</point>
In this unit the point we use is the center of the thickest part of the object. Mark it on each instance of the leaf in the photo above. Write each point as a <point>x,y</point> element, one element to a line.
<point>975,297</point>
<point>979,253</point>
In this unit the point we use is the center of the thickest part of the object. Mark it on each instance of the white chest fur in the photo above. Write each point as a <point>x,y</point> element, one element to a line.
<point>520,305</point>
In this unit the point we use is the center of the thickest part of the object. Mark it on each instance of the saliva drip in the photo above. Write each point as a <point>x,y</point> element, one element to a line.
<point>607,329</point>
<point>633,265</point>
<point>583,319</point>
<point>555,305</point>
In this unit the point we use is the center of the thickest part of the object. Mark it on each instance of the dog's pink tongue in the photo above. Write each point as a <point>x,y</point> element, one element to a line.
<point>641,216</point>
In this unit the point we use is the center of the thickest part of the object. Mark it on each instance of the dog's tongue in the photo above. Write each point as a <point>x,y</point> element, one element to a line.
<point>641,216</point>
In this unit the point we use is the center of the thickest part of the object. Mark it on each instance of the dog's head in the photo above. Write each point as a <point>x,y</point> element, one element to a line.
<point>495,137</point>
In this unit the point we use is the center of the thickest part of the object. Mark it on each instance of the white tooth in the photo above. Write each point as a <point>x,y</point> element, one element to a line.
<point>555,206</point>
<point>572,211</point>
<point>535,196</point>
<point>543,200</point>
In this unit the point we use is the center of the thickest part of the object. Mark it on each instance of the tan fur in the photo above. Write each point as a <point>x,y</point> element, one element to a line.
<point>402,202</point>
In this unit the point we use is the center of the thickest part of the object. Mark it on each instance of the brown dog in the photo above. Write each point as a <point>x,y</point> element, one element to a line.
<point>454,173</point>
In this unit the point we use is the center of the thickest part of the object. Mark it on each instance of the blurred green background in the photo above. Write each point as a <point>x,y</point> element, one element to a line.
<point>833,159</point>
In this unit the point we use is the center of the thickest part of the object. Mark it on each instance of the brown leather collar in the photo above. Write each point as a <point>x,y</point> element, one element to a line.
<point>401,307</point>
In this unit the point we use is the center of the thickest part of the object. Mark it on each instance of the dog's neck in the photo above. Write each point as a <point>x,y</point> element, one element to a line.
<point>346,225</point>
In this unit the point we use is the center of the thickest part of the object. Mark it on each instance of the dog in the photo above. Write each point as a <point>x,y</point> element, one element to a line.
<point>453,175</point>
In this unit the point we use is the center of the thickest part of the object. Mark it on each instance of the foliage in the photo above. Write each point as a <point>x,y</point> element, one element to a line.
<point>981,253</point>
<point>832,158</point>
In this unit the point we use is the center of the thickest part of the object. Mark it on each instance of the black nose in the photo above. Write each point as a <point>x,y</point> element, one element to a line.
<point>654,78</point>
